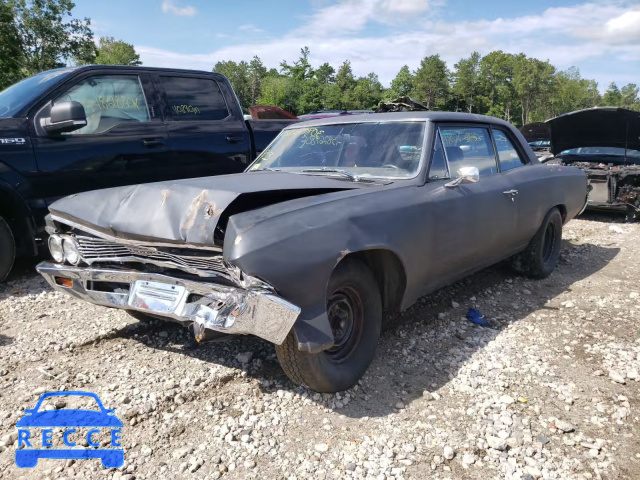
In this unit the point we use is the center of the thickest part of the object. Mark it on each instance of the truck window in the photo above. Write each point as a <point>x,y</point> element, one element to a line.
<point>108,100</point>
<point>194,98</point>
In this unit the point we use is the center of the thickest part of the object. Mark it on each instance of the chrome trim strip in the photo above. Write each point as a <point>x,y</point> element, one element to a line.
<point>221,308</point>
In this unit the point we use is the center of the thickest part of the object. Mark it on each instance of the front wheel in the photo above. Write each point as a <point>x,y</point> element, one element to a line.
<point>354,309</point>
<point>7,249</point>
<point>540,257</point>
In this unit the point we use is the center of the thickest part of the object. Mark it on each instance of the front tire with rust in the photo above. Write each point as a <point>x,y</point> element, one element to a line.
<point>354,308</point>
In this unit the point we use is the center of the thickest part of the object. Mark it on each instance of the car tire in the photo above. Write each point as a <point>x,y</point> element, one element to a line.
<point>7,250</point>
<point>540,257</point>
<point>354,308</point>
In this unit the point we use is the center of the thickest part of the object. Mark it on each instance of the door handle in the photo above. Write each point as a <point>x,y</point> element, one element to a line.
<point>153,142</point>
<point>232,139</point>
<point>512,194</point>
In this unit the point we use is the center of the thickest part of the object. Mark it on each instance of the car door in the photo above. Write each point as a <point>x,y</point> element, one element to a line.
<point>124,141</point>
<point>516,168</point>
<point>207,135</point>
<point>470,225</point>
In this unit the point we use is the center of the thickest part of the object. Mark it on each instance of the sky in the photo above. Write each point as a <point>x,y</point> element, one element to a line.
<point>601,38</point>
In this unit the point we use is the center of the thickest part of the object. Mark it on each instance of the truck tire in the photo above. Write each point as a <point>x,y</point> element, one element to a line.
<point>540,257</point>
<point>354,308</point>
<point>7,250</point>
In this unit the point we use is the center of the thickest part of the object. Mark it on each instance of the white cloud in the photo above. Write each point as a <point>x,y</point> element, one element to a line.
<point>249,27</point>
<point>565,36</point>
<point>169,7</point>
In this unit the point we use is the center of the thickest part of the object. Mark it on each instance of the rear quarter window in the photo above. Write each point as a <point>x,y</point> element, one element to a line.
<point>194,99</point>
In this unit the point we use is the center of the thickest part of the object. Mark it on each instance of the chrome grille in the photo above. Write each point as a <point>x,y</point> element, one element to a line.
<point>100,250</point>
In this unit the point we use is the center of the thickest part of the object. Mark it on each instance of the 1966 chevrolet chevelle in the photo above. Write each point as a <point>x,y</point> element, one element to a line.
<point>338,224</point>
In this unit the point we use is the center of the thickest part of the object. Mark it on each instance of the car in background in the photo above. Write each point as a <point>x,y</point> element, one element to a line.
<point>339,224</point>
<point>537,136</point>
<point>605,143</point>
<point>75,129</point>
<point>317,114</point>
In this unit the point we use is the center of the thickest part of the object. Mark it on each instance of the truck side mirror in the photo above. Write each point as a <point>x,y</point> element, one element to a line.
<point>65,117</point>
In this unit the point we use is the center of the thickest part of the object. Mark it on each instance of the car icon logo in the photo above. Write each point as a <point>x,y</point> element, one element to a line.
<point>32,447</point>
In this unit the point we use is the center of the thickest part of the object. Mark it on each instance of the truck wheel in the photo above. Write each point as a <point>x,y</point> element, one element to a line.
<point>541,255</point>
<point>7,249</point>
<point>354,308</point>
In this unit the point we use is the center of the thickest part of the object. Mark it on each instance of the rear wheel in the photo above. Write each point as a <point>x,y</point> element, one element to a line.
<point>7,249</point>
<point>540,257</point>
<point>354,309</point>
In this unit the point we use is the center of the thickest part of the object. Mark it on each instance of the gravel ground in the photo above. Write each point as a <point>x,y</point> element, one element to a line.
<point>550,392</point>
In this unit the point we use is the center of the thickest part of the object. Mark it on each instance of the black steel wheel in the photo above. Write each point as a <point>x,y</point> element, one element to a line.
<point>354,311</point>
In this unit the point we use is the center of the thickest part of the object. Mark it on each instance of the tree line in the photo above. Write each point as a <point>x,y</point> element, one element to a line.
<point>516,88</point>
<point>38,35</point>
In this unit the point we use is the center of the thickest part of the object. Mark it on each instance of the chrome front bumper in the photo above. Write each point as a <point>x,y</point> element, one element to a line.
<point>212,306</point>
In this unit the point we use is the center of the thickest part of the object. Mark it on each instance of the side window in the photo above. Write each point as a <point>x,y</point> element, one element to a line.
<point>438,169</point>
<point>468,147</point>
<point>108,100</point>
<point>507,153</point>
<point>194,99</point>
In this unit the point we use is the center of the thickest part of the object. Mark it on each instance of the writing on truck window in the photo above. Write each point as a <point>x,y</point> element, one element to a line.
<point>185,110</point>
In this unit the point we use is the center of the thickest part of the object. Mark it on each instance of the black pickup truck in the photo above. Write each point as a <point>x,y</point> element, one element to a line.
<point>83,128</point>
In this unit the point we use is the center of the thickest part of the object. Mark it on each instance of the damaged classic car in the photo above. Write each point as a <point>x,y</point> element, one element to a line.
<point>605,143</point>
<point>338,225</point>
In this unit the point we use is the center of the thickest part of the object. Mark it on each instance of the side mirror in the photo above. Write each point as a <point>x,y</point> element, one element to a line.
<point>65,117</point>
<point>465,175</point>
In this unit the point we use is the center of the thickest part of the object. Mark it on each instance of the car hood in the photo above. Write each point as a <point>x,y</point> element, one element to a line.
<point>595,127</point>
<point>533,132</point>
<point>186,211</point>
<point>69,418</point>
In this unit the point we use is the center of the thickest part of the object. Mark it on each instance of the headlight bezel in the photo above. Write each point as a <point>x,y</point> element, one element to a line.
<point>71,250</point>
<point>57,255</point>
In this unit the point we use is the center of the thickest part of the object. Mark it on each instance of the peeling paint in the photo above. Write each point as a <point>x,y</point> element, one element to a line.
<point>193,210</point>
<point>165,195</point>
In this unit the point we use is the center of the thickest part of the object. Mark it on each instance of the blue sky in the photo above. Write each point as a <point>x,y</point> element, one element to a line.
<point>601,38</point>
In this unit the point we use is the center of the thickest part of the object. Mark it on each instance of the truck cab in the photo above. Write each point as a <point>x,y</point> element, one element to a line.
<point>75,129</point>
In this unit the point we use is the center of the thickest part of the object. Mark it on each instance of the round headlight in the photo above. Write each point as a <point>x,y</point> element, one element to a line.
<point>71,253</point>
<point>55,247</point>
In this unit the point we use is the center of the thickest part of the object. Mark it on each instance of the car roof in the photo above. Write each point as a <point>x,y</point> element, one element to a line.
<point>141,68</point>
<point>403,117</point>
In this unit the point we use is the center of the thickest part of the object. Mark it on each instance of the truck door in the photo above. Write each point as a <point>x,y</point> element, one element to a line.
<point>123,143</point>
<point>207,132</point>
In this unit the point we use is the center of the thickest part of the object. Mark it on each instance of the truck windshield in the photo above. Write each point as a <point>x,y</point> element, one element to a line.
<point>367,149</point>
<point>19,95</point>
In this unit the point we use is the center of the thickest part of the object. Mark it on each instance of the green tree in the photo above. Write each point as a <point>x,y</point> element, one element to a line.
<point>50,36</point>
<point>612,97</point>
<point>344,78</point>
<point>301,68</point>
<point>402,84</point>
<point>257,73</point>
<point>466,78</point>
<point>431,82</point>
<point>116,52</point>
<point>572,92</point>
<point>367,93</point>
<point>497,93</point>
<point>10,47</point>
<point>532,80</point>
<point>325,73</point>
<point>629,94</point>
<point>239,77</point>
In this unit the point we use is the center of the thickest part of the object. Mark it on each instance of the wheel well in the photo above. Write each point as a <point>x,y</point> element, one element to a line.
<point>16,214</point>
<point>389,273</point>
<point>563,212</point>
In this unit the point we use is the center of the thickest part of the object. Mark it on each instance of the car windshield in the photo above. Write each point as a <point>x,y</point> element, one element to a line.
<point>368,149</point>
<point>19,95</point>
<point>604,154</point>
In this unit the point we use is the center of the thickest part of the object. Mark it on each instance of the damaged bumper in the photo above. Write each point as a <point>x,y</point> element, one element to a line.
<point>208,306</point>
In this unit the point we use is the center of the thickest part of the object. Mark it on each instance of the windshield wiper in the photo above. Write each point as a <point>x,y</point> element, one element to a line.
<point>350,176</point>
<point>265,169</point>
